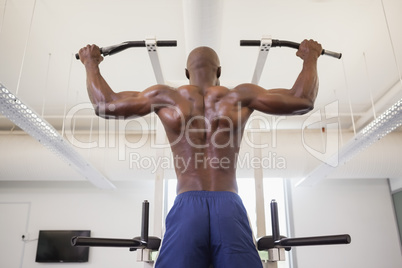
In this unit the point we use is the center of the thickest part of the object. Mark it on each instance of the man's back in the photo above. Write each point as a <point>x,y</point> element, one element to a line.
<point>204,129</point>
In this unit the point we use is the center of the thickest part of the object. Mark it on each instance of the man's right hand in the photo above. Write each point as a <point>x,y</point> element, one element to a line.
<point>90,55</point>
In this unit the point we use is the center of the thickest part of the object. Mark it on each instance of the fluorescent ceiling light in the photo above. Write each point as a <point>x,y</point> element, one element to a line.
<point>376,130</point>
<point>24,117</point>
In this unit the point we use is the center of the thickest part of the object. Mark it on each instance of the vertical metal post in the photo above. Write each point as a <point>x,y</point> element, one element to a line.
<point>276,235</point>
<point>266,43</point>
<point>153,56</point>
<point>160,137</point>
<point>270,264</point>
<point>258,181</point>
<point>145,221</point>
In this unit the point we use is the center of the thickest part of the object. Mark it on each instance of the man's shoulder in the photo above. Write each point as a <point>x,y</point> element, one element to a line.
<point>245,87</point>
<point>161,89</point>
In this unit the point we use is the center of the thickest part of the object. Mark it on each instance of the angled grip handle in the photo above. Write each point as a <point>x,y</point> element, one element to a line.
<point>111,50</point>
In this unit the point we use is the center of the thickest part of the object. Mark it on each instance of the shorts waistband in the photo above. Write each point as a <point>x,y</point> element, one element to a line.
<point>208,194</point>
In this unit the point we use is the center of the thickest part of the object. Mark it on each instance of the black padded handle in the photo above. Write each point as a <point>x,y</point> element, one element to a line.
<point>284,43</point>
<point>166,43</point>
<point>110,50</point>
<point>80,241</point>
<point>314,241</point>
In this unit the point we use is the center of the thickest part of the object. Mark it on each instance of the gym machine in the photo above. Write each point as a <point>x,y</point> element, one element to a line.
<point>145,245</point>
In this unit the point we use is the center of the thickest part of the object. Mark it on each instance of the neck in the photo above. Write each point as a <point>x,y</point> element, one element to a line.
<point>204,79</point>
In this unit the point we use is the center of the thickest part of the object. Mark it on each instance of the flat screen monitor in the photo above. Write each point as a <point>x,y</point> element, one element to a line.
<point>55,246</point>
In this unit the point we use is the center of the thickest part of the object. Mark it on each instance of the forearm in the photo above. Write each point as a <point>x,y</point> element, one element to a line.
<point>99,91</point>
<point>306,85</point>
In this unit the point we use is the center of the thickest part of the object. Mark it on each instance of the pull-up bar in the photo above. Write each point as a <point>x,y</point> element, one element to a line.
<point>111,50</point>
<point>284,43</point>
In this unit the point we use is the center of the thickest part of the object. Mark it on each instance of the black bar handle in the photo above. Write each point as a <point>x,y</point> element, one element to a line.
<point>111,50</point>
<point>166,43</point>
<point>276,234</point>
<point>145,222</point>
<point>314,241</point>
<point>284,43</point>
<point>81,241</point>
<point>250,43</point>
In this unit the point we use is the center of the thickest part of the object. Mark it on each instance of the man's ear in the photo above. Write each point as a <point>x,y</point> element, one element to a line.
<point>218,72</point>
<point>187,74</point>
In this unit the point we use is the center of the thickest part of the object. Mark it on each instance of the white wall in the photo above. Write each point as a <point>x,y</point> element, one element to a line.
<point>361,208</point>
<point>79,205</point>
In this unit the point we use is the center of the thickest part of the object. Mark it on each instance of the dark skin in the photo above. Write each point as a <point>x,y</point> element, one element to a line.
<point>204,121</point>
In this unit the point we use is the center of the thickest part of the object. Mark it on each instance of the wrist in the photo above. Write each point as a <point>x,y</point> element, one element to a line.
<point>92,66</point>
<point>311,58</point>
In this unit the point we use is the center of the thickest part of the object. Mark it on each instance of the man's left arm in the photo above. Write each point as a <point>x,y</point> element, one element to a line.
<point>297,100</point>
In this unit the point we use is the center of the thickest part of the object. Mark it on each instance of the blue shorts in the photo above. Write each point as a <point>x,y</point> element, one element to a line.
<point>205,228</point>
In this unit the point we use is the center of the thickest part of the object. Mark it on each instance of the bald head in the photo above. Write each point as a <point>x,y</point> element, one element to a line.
<point>203,60</point>
<point>202,57</point>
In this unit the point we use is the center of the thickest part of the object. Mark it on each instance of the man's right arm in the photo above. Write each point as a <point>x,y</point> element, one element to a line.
<point>109,104</point>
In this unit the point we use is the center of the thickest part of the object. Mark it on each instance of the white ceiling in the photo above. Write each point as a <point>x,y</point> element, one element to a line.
<point>38,40</point>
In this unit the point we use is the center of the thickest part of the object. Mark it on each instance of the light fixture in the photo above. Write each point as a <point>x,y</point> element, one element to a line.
<point>376,130</point>
<point>24,117</point>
